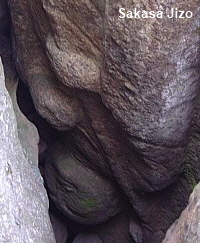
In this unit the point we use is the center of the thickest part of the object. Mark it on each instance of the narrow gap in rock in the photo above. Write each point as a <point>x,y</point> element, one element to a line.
<point>46,134</point>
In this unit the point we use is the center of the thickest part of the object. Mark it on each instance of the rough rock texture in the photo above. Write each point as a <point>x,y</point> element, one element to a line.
<point>187,227</point>
<point>23,203</point>
<point>124,96</point>
<point>77,191</point>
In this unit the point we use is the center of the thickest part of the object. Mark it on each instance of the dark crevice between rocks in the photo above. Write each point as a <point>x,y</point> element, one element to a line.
<point>24,99</point>
<point>47,136</point>
<point>46,133</point>
<point>4,18</point>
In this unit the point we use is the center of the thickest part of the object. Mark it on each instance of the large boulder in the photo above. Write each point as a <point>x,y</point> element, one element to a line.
<point>187,227</point>
<point>80,193</point>
<point>128,89</point>
<point>24,203</point>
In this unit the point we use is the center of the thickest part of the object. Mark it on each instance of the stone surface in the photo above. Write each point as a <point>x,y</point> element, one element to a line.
<point>128,89</point>
<point>77,191</point>
<point>23,203</point>
<point>54,105</point>
<point>187,227</point>
<point>135,232</point>
<point>59,229</point>
<point>116,229</point>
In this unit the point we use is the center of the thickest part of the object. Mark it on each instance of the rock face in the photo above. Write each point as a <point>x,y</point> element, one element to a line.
<point>77,191</point>
<point>23,203</point>
<point>59,229</point>
<point>187,227</point>
<point>122,92</point>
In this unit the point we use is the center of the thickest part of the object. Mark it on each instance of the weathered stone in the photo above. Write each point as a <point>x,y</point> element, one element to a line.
<point>53,104</point>
<point>80,193</point>
<point>23,203</point>
<point>129,86</point>
<point>187,228</point>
